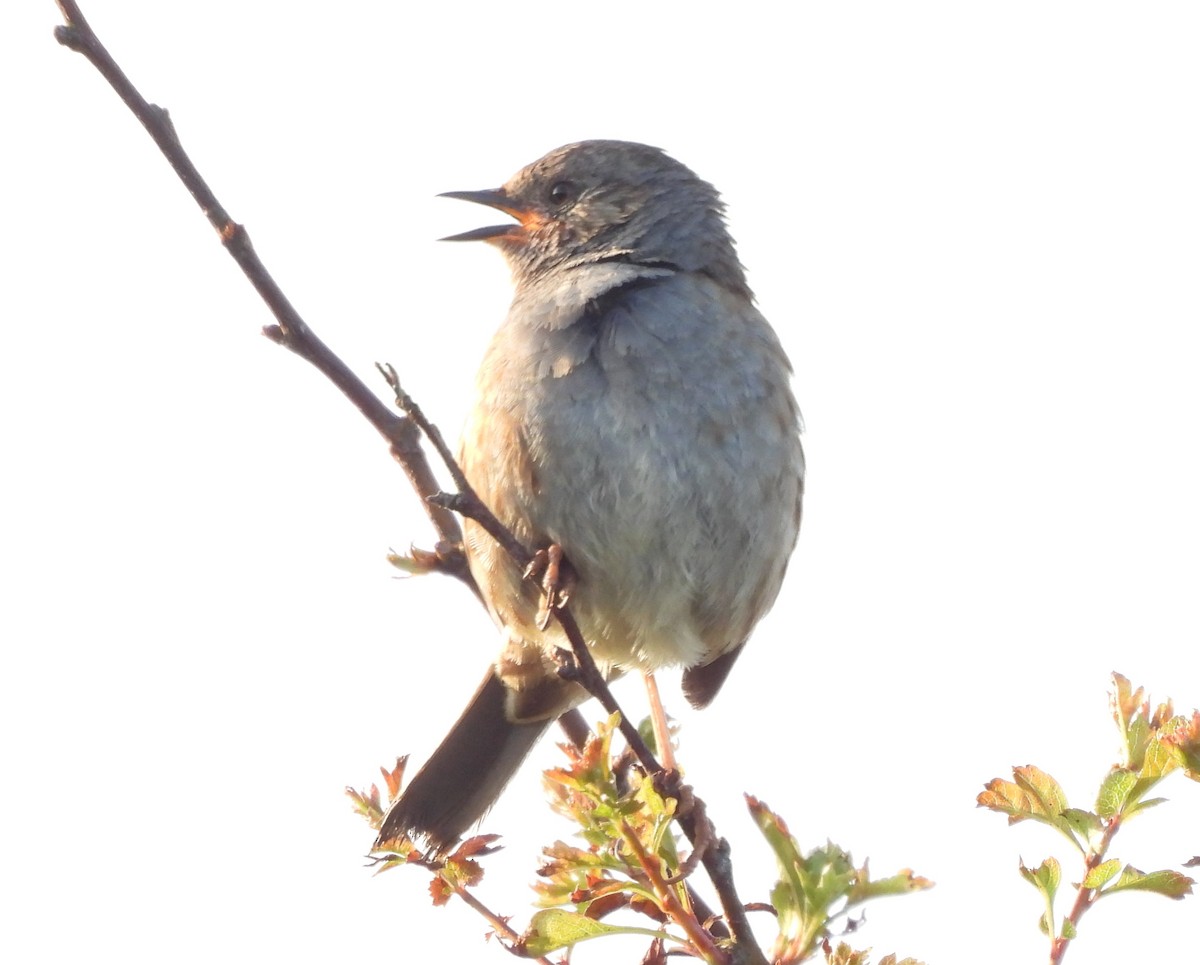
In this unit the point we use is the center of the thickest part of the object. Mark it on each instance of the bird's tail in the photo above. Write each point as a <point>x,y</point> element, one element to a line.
<point>467,772</point>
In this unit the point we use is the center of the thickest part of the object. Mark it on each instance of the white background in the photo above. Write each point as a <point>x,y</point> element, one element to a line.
<point>975,228</point>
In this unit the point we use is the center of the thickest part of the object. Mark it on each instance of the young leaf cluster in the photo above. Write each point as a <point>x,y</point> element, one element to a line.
<point>818,887</point>
<point>625,874</point>
<point>1154,743</point>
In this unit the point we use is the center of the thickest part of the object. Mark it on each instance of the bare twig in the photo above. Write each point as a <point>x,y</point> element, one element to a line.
<point>291,330</point>
<point>511,940</point>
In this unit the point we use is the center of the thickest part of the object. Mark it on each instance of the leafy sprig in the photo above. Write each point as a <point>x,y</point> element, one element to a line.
<point>1154,743</point>
<point>627,874</point>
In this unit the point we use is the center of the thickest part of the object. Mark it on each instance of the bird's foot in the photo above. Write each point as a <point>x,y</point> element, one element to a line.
<point>557,580</point>
<point>669,783</point>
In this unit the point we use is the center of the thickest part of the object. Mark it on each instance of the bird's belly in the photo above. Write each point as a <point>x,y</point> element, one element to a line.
<point>661,515</point>
<point>663,458</point>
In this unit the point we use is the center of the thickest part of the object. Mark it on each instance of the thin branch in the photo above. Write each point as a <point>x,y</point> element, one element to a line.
<point>291,330</point>
<point>499,925</point>
<point>686,918</point>
<point>1085,897</point>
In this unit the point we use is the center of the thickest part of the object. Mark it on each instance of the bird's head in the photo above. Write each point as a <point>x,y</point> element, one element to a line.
<point>603,201</point>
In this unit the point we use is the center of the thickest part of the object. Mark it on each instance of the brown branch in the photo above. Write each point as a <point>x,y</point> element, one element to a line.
<point>686,918</point>
<point>401,432</point>
<point>290,330</point>
<point>1085,897</point>
<point>508,939</point>
<point>511,940</point>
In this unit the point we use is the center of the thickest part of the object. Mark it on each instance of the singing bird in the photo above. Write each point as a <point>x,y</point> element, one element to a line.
<point>635,409</point>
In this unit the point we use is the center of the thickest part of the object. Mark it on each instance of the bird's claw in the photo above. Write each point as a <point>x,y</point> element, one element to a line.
<point>556,580</point>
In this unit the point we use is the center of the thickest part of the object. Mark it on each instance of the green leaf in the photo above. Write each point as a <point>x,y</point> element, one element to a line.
<point>1006,798</point>
<point>1045,788</point>
<point>1068,929</point>
<point>1125,702</point>
<point>1033,795</point>
<point>816,885</point>
<point>1170,884</point>
<point>898,884</point>
<point>1086,824</point>
<point>555,928</point>
<point>1100,875</point>
<point>367,804</point>
<point>1129,711</point>
<point>1159,760</point>
<point>1045,877</point>
<point>1185,742</point>
<point>1141,806</point>
<point>1115,791</point>
<point>1137,736</point>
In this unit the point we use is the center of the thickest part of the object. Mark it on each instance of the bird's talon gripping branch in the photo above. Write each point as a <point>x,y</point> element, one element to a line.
<point>537,565</point>
<point>557,581</point>
<point>690,806</point>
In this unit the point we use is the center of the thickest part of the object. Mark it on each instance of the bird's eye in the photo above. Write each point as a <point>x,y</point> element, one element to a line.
<point>563,192</point>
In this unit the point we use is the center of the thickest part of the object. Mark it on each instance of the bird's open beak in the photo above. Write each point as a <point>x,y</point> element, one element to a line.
<point>493,198</point>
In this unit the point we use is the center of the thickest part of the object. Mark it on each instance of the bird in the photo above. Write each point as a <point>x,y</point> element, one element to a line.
<point>634,409</point>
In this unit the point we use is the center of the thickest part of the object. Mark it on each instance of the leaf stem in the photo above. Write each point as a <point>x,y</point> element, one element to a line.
<point>1085,897</point>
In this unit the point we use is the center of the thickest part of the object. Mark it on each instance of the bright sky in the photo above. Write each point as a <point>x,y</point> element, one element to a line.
<point>975,229</point>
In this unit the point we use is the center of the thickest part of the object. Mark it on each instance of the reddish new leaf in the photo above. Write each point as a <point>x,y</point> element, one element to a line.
<point>394,777</point>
